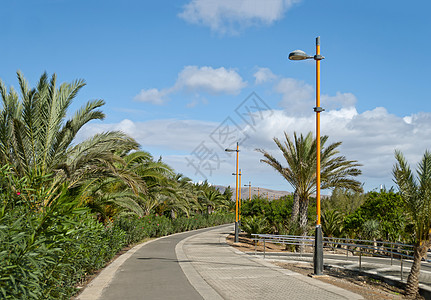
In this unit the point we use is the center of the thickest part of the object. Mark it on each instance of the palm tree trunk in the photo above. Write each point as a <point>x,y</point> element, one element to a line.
<point>303,216</point>
<point>303,219</point>
<point>295,208</point>
<point>412,287</point>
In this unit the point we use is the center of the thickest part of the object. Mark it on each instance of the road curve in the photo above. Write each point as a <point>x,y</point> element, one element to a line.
<point>148,271</point>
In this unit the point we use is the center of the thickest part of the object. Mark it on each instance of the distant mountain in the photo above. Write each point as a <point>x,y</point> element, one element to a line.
<point>262,192</point>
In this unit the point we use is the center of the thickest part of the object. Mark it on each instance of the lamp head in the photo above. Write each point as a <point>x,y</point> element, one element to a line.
<point>299,55</point>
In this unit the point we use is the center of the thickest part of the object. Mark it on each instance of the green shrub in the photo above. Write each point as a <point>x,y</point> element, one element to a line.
<point>45,253</point>
<point>255,224</point>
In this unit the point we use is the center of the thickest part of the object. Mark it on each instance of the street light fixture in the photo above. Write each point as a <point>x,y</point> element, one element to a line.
<point>236,191</point>
<point>318,240</point>
<point>299,55</point>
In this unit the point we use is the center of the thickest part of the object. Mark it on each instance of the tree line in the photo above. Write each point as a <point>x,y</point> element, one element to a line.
<point>66,208</point>
<point>402,216</point>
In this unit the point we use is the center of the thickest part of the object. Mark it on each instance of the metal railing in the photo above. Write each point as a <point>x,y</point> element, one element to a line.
<point>394,251</point>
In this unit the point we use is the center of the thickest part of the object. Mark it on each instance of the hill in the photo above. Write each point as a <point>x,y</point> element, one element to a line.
<point>263,192</point>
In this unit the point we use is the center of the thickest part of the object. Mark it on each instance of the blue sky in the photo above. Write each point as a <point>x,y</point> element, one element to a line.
<point>174,72</point>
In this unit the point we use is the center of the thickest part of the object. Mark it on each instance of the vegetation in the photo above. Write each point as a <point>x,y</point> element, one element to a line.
<point>67,208</point>
<point>385,208</point>
<point>254,224</point>
<point>402,217</point>
<point>415,192</point>
<point>343,200</point>
<point>300,172</point>
<point>276,214</point>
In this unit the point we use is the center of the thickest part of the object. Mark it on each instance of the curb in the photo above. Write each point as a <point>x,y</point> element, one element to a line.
<point>195,279</point>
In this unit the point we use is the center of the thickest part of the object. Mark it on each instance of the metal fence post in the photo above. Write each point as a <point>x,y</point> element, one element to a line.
<point>360,258</point>
<point>264,246</point>
<point>401,267</point>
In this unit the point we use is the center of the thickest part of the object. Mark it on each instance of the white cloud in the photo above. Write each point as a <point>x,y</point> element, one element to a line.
<point>197,79</point>
<point>297,97</point>
<point>369,137</point>
<point>153,96</point>
<point>207,79</point>
<point>170,134</point>
<point>263,75</point>
<point>338,101</point>
<point>230,16</point>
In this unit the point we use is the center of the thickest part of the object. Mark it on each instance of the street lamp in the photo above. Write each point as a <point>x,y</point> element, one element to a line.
<point>239,200</point>
<point>236,190</point>
<point>258,189</point>
<point>249,190</point>
<point>318,240</point>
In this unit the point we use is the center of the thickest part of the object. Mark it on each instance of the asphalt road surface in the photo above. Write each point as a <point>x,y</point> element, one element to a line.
<point>152,272</point>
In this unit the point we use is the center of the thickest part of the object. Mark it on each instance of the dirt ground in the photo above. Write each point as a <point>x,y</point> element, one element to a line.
<point>368,288</point>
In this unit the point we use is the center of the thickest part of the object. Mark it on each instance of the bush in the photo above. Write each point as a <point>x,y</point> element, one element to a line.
<point>46,251</point>
<point>276,212</point>
<point>254,224</point>
<point>385,207</point>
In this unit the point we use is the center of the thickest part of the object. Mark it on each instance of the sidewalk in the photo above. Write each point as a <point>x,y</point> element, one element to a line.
<point>218,271</point>
<point>375,267</point>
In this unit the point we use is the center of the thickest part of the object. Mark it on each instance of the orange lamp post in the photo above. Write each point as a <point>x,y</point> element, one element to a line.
<point>249,190</point>
<point>318,240</point>
<point>239,199</point>
<point>236,191</point>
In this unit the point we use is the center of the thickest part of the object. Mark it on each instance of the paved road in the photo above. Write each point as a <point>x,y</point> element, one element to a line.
<point>200,265</point>
<point>152,271</point>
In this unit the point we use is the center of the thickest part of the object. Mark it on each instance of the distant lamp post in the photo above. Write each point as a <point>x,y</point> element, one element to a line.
<point>249,190</point>
<point>318,240</point>
<point>239,200</point>
<point>236,190</point>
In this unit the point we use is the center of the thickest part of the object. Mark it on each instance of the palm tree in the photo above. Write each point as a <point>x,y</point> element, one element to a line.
<point>332,223</point>
<point>212,199</point>
<point>108,197</point>
<point>300,172</point>
<point>371,229</point>
<point>36,140</point>
<point>154,178</point>
<point>183,196</point>
<point>415,192</point>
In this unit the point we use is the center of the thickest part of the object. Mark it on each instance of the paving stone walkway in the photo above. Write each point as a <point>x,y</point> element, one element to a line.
<point>235,275</point>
